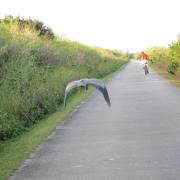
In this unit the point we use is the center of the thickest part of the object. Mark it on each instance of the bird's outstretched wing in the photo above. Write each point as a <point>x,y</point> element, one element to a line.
<point>99,84</point>
<point>71,86</point>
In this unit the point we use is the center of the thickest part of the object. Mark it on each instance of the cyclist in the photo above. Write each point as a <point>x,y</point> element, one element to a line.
<point>144,62</point>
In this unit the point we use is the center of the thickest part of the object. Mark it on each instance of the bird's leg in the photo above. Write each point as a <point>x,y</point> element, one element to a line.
<point>86,87</point>
<point>82,87</point>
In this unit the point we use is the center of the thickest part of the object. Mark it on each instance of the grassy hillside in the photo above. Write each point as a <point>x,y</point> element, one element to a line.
<point>35,67</point>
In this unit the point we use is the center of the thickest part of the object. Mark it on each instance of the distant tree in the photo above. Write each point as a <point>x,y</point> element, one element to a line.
<point>36,25</point>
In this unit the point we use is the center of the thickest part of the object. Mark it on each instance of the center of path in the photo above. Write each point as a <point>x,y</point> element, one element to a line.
<point>137,138</point>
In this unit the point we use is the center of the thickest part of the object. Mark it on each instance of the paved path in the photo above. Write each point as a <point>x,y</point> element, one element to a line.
<point>138,138</point>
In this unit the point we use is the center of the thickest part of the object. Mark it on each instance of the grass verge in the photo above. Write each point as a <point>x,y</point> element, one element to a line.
<point>14,151</point>
<point>171,78</point>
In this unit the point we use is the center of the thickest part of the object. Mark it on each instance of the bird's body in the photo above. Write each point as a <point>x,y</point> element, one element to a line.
<point>99,84</point>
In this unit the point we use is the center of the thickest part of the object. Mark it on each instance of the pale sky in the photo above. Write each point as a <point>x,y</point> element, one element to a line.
<point>127,25</point>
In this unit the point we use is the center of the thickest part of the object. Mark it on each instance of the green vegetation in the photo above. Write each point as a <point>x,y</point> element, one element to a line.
<point>15,150</point>
<point>167,58</point>
<point>159,57</point>
<point>166,61</point>
<point>28,24</point>
<point>35,68</point>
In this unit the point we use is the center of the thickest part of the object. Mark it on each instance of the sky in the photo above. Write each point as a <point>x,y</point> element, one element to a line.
<point>126,25</point>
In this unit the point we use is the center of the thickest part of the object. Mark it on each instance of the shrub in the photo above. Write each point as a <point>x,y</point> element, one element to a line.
<point>173,66</point>
<point>175,57</point>
<point>9,126</point>
<point>167,59</point>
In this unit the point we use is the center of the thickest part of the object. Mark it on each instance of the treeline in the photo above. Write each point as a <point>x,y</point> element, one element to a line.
<point>19,24</point>
<point>35,68</point>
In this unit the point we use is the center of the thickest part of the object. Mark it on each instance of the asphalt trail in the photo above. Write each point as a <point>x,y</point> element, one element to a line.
<point>138,138</point>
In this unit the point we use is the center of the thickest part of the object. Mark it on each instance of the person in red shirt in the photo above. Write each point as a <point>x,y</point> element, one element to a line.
<point>144,56</point>
<point>144,62</point>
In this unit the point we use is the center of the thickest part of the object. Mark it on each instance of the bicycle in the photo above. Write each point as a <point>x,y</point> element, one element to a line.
<point>146,69</point>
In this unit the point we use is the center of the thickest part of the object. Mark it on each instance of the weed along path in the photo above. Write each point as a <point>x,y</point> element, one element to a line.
<point>138,137</point>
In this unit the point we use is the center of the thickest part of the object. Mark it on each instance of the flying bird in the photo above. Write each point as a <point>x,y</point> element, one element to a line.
<point>97,83</point>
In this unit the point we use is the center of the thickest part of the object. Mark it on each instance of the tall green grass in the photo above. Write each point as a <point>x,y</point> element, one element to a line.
<point>34,72</point>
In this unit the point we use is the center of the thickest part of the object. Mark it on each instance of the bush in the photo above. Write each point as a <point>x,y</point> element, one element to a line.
<point>173,66</point>
<point>9,127</point>
<point>175,57</point>
<point>166,59</point>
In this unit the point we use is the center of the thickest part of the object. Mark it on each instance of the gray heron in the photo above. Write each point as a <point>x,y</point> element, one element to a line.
<point>97,83</point>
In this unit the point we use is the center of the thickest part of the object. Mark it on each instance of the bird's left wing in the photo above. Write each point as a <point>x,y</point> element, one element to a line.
<point>71,86</point>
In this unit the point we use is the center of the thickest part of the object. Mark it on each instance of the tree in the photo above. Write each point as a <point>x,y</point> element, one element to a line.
<point>35,25</point>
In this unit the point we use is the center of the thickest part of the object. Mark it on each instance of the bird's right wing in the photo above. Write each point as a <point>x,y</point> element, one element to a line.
<point>100,85</point>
